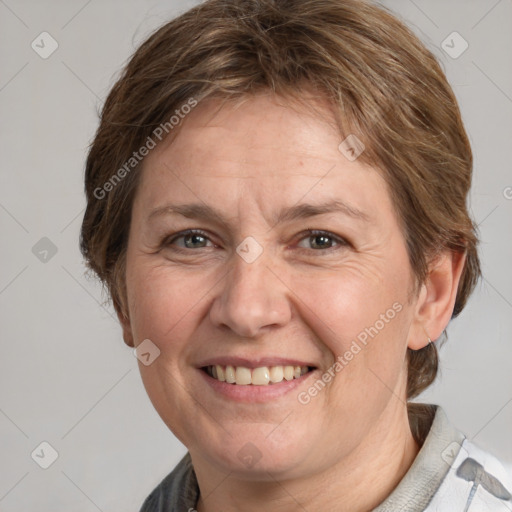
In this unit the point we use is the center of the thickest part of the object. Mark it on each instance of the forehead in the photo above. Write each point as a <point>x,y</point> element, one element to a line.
<point>264,148</point>
<point>255,129</point>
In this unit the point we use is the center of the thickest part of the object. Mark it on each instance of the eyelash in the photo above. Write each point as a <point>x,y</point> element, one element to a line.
<point>308,233</point>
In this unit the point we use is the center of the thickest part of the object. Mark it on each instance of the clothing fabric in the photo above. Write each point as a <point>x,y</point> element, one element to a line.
<point>449,474</point>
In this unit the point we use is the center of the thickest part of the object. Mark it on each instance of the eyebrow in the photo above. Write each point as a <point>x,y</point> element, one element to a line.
<point>299,211</point>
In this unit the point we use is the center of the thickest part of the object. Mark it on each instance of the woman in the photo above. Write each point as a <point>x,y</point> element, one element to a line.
<point>277,204</point>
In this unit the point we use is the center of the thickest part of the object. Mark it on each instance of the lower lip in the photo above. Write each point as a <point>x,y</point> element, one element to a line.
<point>252,393</point>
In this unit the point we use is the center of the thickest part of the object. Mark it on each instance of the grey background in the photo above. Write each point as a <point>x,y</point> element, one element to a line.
<point>66,376</point>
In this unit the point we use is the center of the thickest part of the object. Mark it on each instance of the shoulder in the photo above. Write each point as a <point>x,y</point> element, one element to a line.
<point>178,491</point>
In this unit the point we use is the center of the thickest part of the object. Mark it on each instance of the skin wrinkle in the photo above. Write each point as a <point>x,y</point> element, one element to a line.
<point>354,435</point>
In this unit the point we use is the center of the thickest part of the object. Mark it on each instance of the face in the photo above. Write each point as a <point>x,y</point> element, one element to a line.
<point>265,282</point>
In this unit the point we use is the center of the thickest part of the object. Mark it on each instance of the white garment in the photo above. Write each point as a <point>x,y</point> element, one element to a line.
<point>475,482</point>
<point>451,474</point>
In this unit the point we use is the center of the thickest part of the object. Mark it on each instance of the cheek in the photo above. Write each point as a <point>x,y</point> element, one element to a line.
<point>364,328</point>
<point>345,306</point>
<point>163,303</point>
<point>164,307</point>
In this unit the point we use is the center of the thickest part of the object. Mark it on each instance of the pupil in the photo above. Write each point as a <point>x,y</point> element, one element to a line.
<point>193,238</point>
<point>321,237</point>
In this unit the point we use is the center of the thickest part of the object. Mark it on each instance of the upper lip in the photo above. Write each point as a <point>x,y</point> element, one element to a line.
<point>253,362</point>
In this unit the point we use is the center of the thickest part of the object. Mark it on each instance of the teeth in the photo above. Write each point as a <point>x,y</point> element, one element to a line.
<point>220,373</point>
<point>243,375</point>
<point>276,374</point>
<point>262,376</point>
<point>230,375</point>
<point>288,372</point>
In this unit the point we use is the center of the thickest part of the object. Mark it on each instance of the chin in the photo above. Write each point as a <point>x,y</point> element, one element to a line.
<point>254,455</point>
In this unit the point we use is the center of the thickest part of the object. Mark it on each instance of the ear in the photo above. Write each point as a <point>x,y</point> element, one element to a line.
<point>124,320</point>
<point>436,299</point>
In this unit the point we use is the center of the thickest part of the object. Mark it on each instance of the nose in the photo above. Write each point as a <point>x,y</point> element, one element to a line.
<point>253,298</point>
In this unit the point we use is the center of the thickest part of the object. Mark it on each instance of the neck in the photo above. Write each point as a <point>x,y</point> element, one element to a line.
<point>357,483</point>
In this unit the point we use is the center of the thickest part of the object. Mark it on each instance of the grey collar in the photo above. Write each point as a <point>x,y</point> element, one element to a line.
<point>428,470</point>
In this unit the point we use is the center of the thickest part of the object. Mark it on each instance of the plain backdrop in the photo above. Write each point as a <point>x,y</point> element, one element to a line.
<point>66,377</point>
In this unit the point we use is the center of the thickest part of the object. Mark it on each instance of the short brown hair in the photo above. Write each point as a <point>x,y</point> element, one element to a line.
<point>385,87</point>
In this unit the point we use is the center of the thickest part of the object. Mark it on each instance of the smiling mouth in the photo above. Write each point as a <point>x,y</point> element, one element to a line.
<point>262,376</point>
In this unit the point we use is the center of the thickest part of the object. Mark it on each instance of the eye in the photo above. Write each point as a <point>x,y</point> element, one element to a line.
<point>316,239</point>
<point>322,240</point>
<point>192,239</point>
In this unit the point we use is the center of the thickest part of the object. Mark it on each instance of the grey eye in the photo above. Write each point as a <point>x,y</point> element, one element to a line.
<point>191,240</point>
<point>321,240</point>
